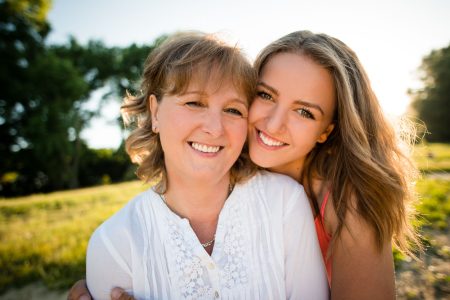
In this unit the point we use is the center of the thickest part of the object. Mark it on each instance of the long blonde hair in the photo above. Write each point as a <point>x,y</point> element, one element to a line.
<point>169,68</point>
<point>363,158</point>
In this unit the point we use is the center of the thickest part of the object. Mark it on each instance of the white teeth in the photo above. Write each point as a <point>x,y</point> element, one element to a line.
<point>268,141</point>
<point>204,148</point>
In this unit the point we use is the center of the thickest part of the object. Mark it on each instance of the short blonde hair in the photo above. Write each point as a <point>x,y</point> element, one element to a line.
<point>168,70</point>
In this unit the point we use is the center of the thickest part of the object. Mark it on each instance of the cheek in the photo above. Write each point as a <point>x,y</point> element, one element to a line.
<point>238,131</point>
<point>304,133</point>
<point>256,112</point>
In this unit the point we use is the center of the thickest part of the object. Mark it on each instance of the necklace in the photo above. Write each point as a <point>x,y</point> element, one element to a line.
<point>208,243</point>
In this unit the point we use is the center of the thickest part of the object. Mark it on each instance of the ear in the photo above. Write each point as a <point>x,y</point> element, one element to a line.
<point>153,105</point>
<point>324,136</point>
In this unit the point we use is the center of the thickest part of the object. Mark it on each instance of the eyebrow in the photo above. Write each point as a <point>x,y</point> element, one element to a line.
<point>309,104</point>
<point>194,92</point>
<point>201,93</point>
<point>300,102</point>
<point>272,89</point>
<point>239,100</point>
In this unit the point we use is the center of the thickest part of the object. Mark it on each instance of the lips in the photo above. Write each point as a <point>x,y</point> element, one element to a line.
<point>205,148</point>
<point>269,141</point>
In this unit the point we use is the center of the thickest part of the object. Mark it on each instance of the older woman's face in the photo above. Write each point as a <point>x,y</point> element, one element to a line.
<point>202,131</point>
<point>292,112</point>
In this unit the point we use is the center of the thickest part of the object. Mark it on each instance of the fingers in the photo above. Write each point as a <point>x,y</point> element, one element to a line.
<point>79,291</point>
<point>120,294</point>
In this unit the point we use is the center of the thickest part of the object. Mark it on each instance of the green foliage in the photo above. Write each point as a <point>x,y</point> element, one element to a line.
<point>34,11</point>
<point>38,90</point>
<point>22,31</point>
<point>104,166</point>
<point>434,205</point>
<point>42,111</point>
<point>432,103</point>
<point>44,237</point>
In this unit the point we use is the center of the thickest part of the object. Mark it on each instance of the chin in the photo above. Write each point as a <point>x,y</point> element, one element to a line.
<point>261,162</point>
<point>206,174</point>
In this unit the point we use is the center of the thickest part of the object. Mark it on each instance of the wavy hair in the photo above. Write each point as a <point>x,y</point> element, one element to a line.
<point>364,158</point>
<point>168,70</point>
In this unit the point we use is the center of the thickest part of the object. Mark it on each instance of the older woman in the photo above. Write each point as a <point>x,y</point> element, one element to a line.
<point>211,227</point>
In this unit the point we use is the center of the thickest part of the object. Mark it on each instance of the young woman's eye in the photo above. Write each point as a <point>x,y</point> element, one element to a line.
<point>264,95</point>
<point>234,111</point>
<point>305,113</point>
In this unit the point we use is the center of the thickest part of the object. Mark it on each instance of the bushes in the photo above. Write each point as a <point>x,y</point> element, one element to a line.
<point>96,166</point>
<point>103,166</point>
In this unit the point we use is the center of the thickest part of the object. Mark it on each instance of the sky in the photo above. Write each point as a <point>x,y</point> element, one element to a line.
<point>389,37</point>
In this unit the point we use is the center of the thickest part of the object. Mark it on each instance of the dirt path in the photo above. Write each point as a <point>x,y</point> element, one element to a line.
<point>35,291</point>
<point>438,175</point>
<point>429,279</point>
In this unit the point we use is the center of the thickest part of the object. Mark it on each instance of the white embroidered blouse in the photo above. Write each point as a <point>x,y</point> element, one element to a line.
<point>265,248</point>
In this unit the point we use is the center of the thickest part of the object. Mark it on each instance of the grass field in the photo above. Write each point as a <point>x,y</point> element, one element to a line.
<point>432,157</point>
<point>43,238</point>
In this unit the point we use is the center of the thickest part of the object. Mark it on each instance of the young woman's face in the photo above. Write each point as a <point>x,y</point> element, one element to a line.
<point>202,131</point>
<point>293,111</point>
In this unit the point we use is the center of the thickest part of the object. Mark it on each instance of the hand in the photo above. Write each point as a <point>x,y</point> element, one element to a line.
<point>120,294</point>
<point>79,291</point>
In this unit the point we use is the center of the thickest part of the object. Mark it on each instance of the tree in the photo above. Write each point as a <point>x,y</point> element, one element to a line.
<point>100,66</point>
<point>44,88</point>
<point>432,102</point>
<point>23,28</point>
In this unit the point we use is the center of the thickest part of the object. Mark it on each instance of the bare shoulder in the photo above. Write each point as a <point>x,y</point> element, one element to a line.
<point>321,189</point>
<point>361,270</point>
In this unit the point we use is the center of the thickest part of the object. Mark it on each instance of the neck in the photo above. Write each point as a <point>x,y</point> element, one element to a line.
<point>293,169</point>
<point>200,203</point>
<point>197,201</point>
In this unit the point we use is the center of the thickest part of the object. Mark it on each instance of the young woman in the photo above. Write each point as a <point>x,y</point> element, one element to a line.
<point>210,228</point>
<point>316,119</point>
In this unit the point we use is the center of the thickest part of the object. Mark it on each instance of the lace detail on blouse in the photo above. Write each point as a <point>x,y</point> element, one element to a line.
<point>234,272</point>
<point>190,270</point>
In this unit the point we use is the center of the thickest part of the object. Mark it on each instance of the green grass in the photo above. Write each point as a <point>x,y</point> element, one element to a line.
<point>432,157</point>
<point>434,203</point>
<point>44,237</point>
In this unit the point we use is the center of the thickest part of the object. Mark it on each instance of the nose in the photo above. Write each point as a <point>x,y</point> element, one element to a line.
<point>213,123</point>
<point>275,120</point>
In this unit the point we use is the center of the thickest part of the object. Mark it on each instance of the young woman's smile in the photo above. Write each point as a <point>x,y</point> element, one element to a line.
<point>267,141</point>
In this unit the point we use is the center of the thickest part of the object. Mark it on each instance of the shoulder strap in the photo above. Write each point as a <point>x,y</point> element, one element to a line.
<point>324,203</point>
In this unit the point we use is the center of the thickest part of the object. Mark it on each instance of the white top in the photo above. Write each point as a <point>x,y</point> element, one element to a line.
<point>265,248</point>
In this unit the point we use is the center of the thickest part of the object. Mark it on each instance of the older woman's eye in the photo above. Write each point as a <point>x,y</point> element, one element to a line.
<point>264,95</point>
<point>305,113</point>
<point>234,111</point>
<point>194,104</point>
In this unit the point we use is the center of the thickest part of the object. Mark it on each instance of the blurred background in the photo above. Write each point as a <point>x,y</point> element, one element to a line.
<point>65,66</point>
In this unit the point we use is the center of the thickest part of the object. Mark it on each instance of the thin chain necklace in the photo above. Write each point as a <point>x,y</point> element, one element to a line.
<point>208,243</point>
